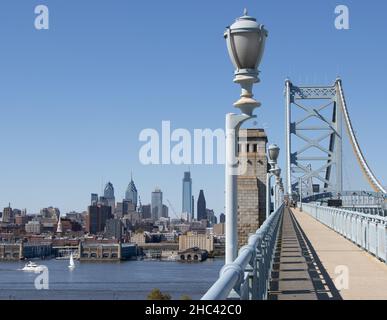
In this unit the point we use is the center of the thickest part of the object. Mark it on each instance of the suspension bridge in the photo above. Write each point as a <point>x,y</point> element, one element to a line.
<point>322,242</point>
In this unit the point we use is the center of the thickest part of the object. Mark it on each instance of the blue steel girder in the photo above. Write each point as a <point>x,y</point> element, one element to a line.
<point>312,112</point>
<point>314,173</point>
<point>313,143</point>
<point>297,166</point>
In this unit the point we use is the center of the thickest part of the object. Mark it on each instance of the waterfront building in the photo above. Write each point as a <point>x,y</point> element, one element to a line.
<point>157,204</point>
<point>109,195</point>
<point>96,218</point>
<point>201,206</point>
<point>251,183</point>
<point>187,194</point>
<point>194,240</point>
<point>107,251</point>
<point>131,194</point>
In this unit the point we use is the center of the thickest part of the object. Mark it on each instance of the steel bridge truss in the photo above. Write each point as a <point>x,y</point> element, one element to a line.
<point>325,169</point>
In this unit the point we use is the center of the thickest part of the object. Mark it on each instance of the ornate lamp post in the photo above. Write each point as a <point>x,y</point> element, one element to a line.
<point>245,43</point>
<point>273,152</point>
<point>277,173</point>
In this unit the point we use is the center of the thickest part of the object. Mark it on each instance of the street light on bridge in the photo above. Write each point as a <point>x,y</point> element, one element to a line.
<point>245,43</point>
<point>273,153</point>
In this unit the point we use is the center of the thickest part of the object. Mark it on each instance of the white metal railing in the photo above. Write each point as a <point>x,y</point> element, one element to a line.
<point>367,231</point>
<point>248,277</point>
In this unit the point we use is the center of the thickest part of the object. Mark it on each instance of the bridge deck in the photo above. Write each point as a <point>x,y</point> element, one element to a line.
<point>297,273</point>
<point>367,275</point>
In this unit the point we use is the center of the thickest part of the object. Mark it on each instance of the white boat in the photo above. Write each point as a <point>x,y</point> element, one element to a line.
<point>72,264</point>
<point>173,257</point>
<point>31,266</point>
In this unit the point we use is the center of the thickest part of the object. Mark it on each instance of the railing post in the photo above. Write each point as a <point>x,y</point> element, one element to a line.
<point>248,277</point>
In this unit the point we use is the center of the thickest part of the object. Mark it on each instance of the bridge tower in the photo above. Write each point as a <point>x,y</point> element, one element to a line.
<point>313,138</point>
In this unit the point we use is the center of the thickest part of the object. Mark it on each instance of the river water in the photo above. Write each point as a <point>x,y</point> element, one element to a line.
<point>130,280</point>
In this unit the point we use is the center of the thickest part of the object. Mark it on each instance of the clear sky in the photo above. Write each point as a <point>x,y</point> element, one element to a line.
<point>74,98</point>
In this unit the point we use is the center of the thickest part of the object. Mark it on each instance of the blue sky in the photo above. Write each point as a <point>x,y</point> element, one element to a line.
<point>75,98</point>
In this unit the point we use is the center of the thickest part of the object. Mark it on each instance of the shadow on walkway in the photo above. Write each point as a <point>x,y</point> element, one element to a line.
<point>298,273</point>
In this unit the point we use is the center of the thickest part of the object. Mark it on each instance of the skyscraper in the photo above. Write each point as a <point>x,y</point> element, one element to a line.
<point>193,209</point>
<point>201,206</point>
<point>157,204</point>
<point>211,217</point>
<point>96,218</point>
<point>109,195</point>
<point>187,194</point>
<point>94,199</point>
<point>146,211</point>
<point>131,192</point>
<point>165,211</point>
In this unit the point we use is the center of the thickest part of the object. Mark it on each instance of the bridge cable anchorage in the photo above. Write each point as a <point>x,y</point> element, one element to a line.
<point>371,178</point>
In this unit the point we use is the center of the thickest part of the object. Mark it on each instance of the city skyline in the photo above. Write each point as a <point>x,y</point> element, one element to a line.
<point>52,163</point>
<point>249,153</point>
<point>108,198</point>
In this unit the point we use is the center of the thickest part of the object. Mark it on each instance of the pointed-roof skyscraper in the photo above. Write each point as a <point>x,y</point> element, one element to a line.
<point>109,195</point>
<point>131,192</point>
<point>202,207</point>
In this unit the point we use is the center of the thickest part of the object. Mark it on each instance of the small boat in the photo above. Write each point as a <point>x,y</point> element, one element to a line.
<point>72,264</point>
<point>31,266</point>
<point>173,257</point>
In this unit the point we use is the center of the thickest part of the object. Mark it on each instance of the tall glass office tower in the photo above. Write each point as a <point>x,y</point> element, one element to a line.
<point>202,207</point>
<point>187,194</point>
<point>157,204</point>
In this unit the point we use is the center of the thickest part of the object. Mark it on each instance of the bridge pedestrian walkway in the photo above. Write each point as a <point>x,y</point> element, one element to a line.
<point>307,256</point>
<point>367,276</point>
<point>297,271</point>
